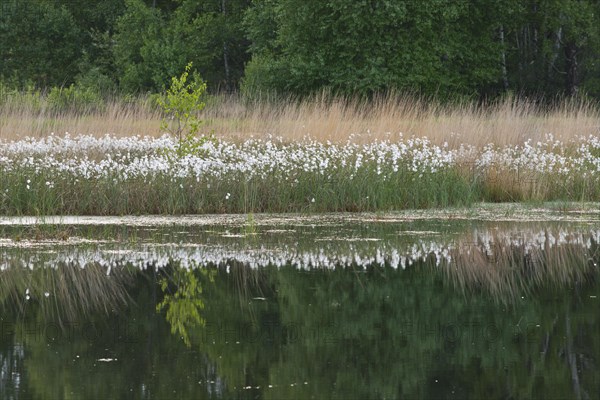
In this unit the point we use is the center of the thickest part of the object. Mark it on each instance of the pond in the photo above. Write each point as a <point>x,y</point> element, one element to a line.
<point>348,306</point>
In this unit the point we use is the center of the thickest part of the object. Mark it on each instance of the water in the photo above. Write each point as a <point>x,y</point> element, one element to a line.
<point>301,307</point>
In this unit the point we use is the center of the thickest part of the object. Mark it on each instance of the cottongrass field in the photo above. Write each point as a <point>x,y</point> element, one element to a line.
<point>88,175</point>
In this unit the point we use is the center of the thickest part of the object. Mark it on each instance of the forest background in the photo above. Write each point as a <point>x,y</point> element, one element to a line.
<point>448,49</point>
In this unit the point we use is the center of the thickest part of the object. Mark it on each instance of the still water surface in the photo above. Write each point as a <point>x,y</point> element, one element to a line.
<point>331,308</point>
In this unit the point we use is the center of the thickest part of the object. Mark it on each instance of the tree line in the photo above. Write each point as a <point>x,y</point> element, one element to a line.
<point>443,48</point>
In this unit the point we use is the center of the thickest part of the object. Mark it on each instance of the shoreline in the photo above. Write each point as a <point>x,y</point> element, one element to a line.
<point>497,212</point>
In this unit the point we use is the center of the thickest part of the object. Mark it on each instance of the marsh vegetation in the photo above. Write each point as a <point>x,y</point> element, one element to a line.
<point>460,139</point>
<point>86,175</point>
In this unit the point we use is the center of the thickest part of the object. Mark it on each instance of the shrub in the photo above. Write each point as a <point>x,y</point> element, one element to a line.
<point>74,99</point>
<point>181,104</point>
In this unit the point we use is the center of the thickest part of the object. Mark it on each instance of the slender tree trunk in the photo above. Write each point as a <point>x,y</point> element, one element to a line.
<point>555,51</point>
<point>572,83</point>
<point>226,64</point>
<point>225,50</point>
<point>504,71</point>
<point>520,55</point>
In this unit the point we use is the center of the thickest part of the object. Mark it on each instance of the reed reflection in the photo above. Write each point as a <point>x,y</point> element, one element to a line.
<point>511,264</point>
<point>507,261</point>
<point>65,291</point>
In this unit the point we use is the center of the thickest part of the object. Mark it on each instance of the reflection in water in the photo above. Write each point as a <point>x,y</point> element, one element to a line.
<point>485,311</point>
<point>507,262</point>
<point>184,303</point>
<point>65,291</point>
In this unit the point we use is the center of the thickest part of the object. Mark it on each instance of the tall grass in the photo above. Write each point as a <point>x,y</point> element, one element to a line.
<point>331,154</point>
<point>38,113</point>
<point>508,121</point>
<point>323,117</point>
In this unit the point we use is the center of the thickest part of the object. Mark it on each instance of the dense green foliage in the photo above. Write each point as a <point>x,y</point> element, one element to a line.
<point>367,46</point>
<point>180,103</point>
<point>470,48</point>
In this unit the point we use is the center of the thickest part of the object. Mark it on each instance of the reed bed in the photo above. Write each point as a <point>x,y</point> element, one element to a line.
<point>323,117</point>
<point>36,115</point>
<point>317,154</point>
<point>393,117</point>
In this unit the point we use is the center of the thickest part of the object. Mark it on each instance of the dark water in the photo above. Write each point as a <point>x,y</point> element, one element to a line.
<point>432,309</point>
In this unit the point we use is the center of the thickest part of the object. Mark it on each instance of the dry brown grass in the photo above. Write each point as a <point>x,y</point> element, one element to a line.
<point>117,117</point>
<point>511,121</point>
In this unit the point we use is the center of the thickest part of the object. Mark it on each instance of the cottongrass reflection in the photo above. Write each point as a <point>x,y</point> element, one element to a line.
<point>507,263</point>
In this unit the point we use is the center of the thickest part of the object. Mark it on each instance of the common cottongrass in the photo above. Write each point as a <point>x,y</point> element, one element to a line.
<point>115,176</point>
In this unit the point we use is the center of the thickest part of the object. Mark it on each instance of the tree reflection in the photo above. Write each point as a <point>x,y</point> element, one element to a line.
<point>375,331</point>
<point>182,300</point>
